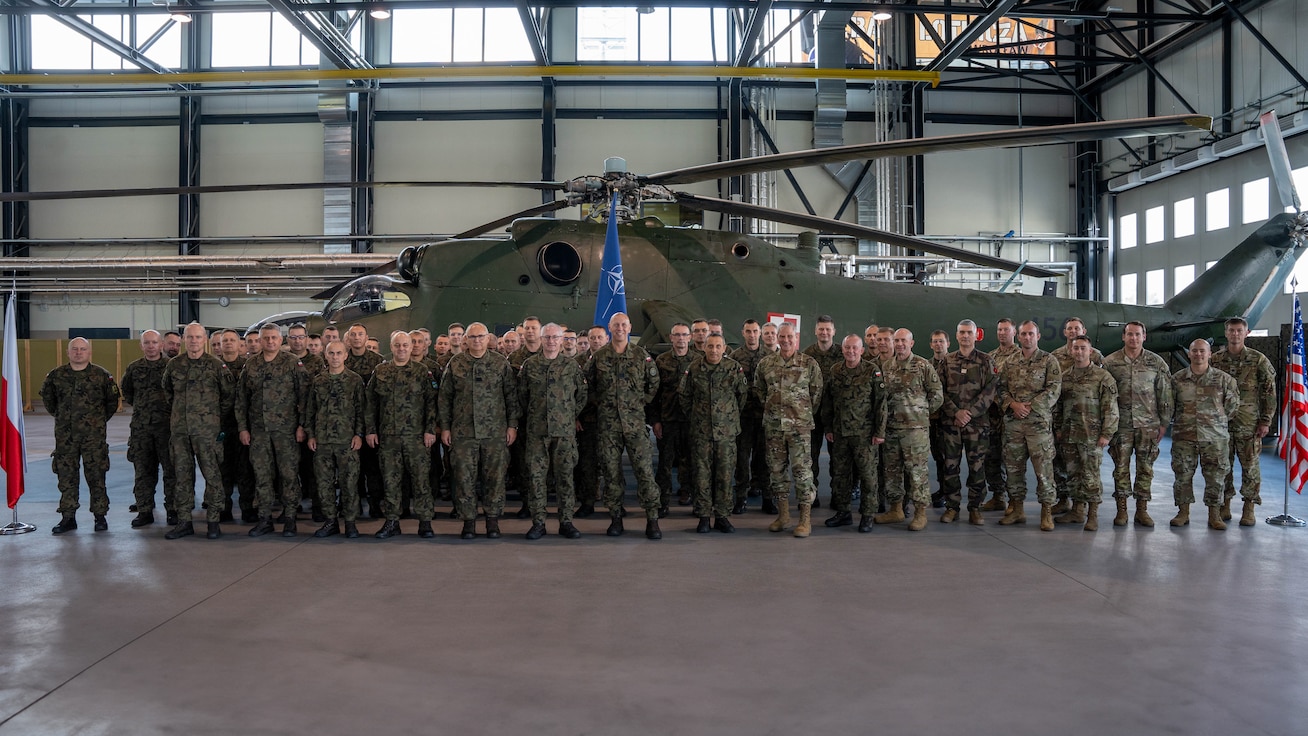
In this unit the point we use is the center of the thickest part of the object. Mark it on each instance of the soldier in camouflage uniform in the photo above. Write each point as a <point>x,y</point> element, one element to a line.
<point>147,446</point>
<point>1029,386</point>
<point>996,476</point>
<point>421,338</point>
<point>270,397</point>
<point>587,474</point>
<point>1254,375</point>
<point>363,361</point>
<point>1085,420</point>
<point>854,413</point>
<point>172,344</point>
<point>970,383</point>
<point>912,393</point>
<point>297,342</point>
<point>665,415</point>
<point>82,397</point>
<point>827,354</point>
<point>623,379</point>
<point>530,344</point>
<point>400,421</point>
<point>711,393</point>
<point>238,475</point>
<point>939,349</point>
<point>789,385</point>
<point>479,420</point>
<point>751,471</point>
<point>201,391</point>
<point>768,337</point>
<point>552,393</point>
<point>335,428</point>
<point>1204,399</point>
<point>1144,403</point>
<point>1073,327</point>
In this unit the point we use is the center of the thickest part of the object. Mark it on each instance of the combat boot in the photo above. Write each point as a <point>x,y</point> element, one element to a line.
<point>652,530</point>
<point>894,513</point>
<point>949,517</point>
<point>328,529</point>
<point>469,530</point>
<point>536,531</point>
<point>1092,518</point>
<point>586,510</point>
<point>769,505</point>
<point>1142,516</point>
<point>723,524</point>
<point>66,524</point>
<point>389,528</point>
<point>144,518</point>
<point>1247,515</point>
<point>1046,518</point>
<point>1074,515</point>
<point>524,512</point>
<point>1015,514</point>
<point>741,504</point>
<point>1215,519</point>
<point>615,526</point>
<point>351,530</point>
<point>425,530</point>
<point>864,523</point>
<point>1120,518</point>
<point>705,526</point>
<point>492,527</point>
<point>804,528</point>
<point>1226,508</point>
<point>783,518</point>
<point>1182,515</point>
<point>1063,506</point>
<point>919,521</point>
<point>568,531</point>
<point>264,526</point>
<point>101,523</point>
<point>184,529</point>
<point>215,530</point>
<point>841,518</point>
<point>288,529</point>
<point>995,504</point>
<point>975,518</point>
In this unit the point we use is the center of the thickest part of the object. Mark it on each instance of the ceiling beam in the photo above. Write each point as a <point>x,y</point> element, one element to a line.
<point>320,31</point>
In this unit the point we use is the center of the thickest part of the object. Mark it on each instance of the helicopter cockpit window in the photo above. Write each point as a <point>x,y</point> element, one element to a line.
<point>559,263</point>
<point>365,297</point>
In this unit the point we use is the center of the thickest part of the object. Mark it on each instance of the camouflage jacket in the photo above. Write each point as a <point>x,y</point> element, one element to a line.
<point>621,385</point>
<point>588,416</point>
<point>519,356</point>
<point>854,401</point>
<point>202,393</point>
<point>82,402</point>
<point>1001,355</point>
<point>552,394</point>
<point>229,418</point>
<point>825,358</point>
<point>666,407</point>
<point>790,390</point>
<point>336,407</point>
<point>970,383</point>
<point>1063,354</point>
<point>400,400</point>
<point>748,360</point>
<point>1087,405</point>
<point>362,364</point>
<point>433,365</point>
<point>1036,379</point>
<point>1254,374</point>
<point>478,397</point>
<point>912,392</point>
<point>142,387</point>
<point>270,394</point>
<point>1204,405</point>
<point>313,364</point>
<point>1144,390</point>
<point>711,396</point>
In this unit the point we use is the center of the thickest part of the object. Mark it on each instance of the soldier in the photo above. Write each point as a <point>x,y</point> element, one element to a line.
<point>238,475</point>
<point>1254,375</point>
<point>583,343</point>
<point>1073,328</point>
<point>552,393</point>
<point>1144,403</point>
<point>885,344</point>
<point>400,421</point>
<point>336,428</point>
<point>1205,399</point>
<point>623,380</point>
<point>147,445</point>
<point>201,390</point>
<point>330,334</point>
<point>711,394</point>
<point>215,344</point>
<point>297,341</point>
<point>569,349</point>
<point>587,474</point>
<point>969,381</point>
<point>270,395</point>
<point>827,354</point>
<point>751,472</point>
<point>699,331</point>
<point>854,413</point>
<point>455,331</point>
<point>529,332</point>
<point>1085,420</point>
<point>251,343</point>
<point>363,361</point>
<point>172,344</point>
<point>441,350</point>
<point>509,343</point>
<point>374,345</point>
<point>789,385</point>
<point>996,477</point>
<point>671,430</point>
<point>315,346</point>
<point>478,420</point>
<point>939,349</point>
<point>768,336</point>
<point>82,397</point>
<point>715,327</point>
<point>870,342</point>
<point>912,393</point>
<point>1029,386</point>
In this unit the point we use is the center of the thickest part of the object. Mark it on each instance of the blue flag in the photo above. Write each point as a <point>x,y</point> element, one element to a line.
<point>612,292</point>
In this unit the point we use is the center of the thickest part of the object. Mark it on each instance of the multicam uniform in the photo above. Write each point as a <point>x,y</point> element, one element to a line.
<point>1204,406</point>
<point>202,392</point>
<point>790,390</point>
<point>478,403</point>
<point>552,393</point>
<point>1254,374</point>
<point>401,408</point>
<point>912,393</point>
<point>335,418</point>
<point>1062,479</point>
<point>996,476</point>
<point>1086,410</point>
<point>1144,404</point>
<point>147,445</point>
<point>711,396</point>
<point>270,396</point>
<point>82,402</point>
<point>1036,380</point>
<point>969,383</point>
<point>621,385</point>
<point>854,412</point>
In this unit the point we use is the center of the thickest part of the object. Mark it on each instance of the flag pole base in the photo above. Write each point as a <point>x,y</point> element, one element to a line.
<point>1286,520</point>
<point>18,527</point>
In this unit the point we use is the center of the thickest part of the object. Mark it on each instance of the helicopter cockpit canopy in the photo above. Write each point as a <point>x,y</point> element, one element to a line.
<point>367,296</point>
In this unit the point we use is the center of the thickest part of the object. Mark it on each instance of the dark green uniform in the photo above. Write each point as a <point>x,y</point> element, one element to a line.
<point>238,475</point>
<point>854,412</point>
<point>202,392</point>
<point>270,399</point>
<point>478,405</point>
<point>401,408</point>
<point>370,479</point>
<point>587,473</point>
<point>552,393</point>
<point>621,385</point>
<point>148,444</point>
<point>82,402</point>
<point>826,359</point>
<point>335,419</point>
<point>666,411</point>
<point>712,397</point>
<point>751,471</point>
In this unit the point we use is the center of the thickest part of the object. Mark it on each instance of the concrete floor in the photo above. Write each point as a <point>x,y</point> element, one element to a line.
<point>956,629</point>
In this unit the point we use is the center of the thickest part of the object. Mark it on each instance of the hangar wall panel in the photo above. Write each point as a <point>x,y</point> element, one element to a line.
<point>259,154</point>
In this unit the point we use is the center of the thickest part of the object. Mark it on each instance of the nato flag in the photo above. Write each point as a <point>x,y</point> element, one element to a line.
<point>612,291</point>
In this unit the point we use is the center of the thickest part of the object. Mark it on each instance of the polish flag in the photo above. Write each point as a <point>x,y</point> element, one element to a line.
<point>13,445</point>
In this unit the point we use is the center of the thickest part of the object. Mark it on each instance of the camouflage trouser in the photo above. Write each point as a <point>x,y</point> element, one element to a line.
<point>473,460</point>
<point>587,475</point>
<point>854,460</point>
<point>790,448</point>
<point>816,438</point>
<point>906,454</point>
<point>996,474</point>
<point>335,465</point>
<point>275,456</point>
<point>612,441</point>
<point>370,479</point>
<point>972,441</point>
<point>238,476</point>
<point>751,470</point>
<point>1062,478</point>
<point>308,484</point>
<point>1028,439</point>
<point>148,452</point>
<point>674,451</point>
<point>187,451</point>
<point>937,435</point>
<point>1188,456</point>
<point>715,464</point>
<point>1082,462</point>
<point>545,456</point>
<point>1247,448</point>
<point>92,452</point>
<point>1143,442</point>
<point>437,471</point>
<point>407,454</point>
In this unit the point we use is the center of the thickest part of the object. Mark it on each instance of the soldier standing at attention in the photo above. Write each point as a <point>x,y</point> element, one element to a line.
<point>969,381</point>
<point>1029,386</point>
<point>711,393</point>
<point>201,391</point>
<point>270,397</point>
<point>529,332</point>
<point>588,469</point>
<point>147,446</point>
<point>552,393</point>
<point>297,341</point>
<point>251,343</point>
<point>82,397</point>
<point>751,472</point>
<point>1205,399</point>
<point>854,413</point>
<point>336,429</point>
<point>236,470</point>
<point>996,476</point>
<point>1254,375</point>
<point>789,385</point>
<point>478,420</point>
<point>1073,328</point>
<point>939,349</point>
<point>827,354</point>
<point>363,361</point>
<point>623,380</point>
<point>569,343</point>
<point>912,393</point>
<point>671,431</point>
<point>1085,420</point>
<point>1144,403</point>
<point>400,421</point>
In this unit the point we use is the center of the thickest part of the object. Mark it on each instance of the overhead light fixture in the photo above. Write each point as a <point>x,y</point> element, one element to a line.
<point>644,9</point>
<point>881,15</point>
<point>379,13</point>
<point>177,13</point>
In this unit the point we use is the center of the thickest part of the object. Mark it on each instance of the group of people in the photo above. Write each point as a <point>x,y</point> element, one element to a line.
<point>550,410</point>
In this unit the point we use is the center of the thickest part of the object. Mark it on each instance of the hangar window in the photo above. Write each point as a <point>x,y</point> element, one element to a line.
<point>1217,209</point>
<point>1128,290</point>
<point>1183,218</point>
<point>663,34</point>
<point>56,46</point>
<point>258,39</point>
<point>1253,201</point>
<point>559,263</point>
<point>1182,276</point>
<point>1300,178</point>
<point>1155,287</point>
<point>1154,217</point>
<point>440,35</point>
<point>1126,234</point>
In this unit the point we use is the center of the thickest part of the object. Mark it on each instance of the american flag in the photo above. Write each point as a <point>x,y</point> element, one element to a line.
<point>1293,444</point>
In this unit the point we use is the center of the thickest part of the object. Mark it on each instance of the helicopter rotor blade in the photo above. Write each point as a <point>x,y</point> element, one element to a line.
<point>332,290</point>
<point>1039,136</point>
<point>848,228</point>
<point>540,209</point>
<point>1280,160</point>
<point>287,186</point>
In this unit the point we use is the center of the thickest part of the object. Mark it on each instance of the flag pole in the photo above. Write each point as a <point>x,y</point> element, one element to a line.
<point>18,464</point>
<point>16,526</point>
<point>1285,519</point>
